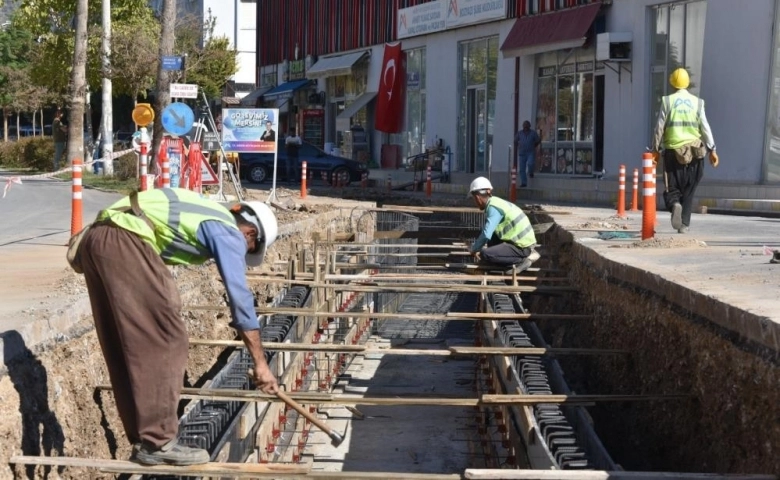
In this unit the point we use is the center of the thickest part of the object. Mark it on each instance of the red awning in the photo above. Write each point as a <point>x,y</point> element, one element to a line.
<point>552,31</point>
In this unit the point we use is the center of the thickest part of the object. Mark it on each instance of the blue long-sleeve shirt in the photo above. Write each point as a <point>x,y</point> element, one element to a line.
<point>491,223</point>
<point>228,248</point>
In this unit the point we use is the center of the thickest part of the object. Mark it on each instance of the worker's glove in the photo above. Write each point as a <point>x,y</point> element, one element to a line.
<point>656,156</point>
<point>714,160</point>
<point>477,256</point>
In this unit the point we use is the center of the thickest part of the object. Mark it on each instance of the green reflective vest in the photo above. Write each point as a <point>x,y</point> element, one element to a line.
<point>176,215</point>
<point>683,111</point>
<point>515,227</point>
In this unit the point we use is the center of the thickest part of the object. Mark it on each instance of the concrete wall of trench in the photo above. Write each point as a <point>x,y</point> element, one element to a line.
<point>48,401</point>
<point>731,421</point>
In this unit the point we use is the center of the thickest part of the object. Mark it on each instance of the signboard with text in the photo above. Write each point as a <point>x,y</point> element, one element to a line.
<point>442,15</point>
<point>250,130</point>
<point>184,90</point>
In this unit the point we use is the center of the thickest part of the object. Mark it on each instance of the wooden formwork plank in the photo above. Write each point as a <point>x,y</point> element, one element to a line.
<point>238,470</point>
<point>304,312</point>
<point>505,474</point>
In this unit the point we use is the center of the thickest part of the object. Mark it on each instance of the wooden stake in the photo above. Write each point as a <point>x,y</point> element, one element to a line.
<point>508,474</point>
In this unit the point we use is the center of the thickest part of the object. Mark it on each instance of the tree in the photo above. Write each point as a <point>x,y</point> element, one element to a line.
<point>134,56</point>
<point>16,45</point>
<point>163,94</point>
<point>210,60</point>
<point>78,85</point>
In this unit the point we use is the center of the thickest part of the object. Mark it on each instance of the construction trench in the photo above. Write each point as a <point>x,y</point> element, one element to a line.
<point>424,371</point>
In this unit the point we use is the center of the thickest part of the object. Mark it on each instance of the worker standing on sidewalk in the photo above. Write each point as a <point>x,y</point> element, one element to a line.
<point>683,131</point>
<point>507,232</point>
<point>136,304</point>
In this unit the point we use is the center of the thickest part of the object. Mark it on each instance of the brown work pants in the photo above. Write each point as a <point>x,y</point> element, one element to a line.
<point>136,307</point>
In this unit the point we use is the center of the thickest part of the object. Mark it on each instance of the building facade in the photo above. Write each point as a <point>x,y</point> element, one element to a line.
<point>588,75</point>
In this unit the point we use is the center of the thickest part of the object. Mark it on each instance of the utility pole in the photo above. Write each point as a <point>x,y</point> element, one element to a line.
<point>78,84</point>
<point>108,111</point>
<point>163,94</point>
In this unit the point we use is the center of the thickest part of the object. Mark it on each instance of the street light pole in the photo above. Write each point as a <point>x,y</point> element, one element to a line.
<point>108,113</point>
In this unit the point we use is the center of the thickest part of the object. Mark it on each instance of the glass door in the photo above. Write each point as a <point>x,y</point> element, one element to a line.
<point>476,129</point>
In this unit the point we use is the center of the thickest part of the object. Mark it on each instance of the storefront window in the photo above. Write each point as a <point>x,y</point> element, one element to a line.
<point>478,68</point>
<point>565,114</point>
<point>771,172</point>
<point>677,41</point>
<point>412,140</point>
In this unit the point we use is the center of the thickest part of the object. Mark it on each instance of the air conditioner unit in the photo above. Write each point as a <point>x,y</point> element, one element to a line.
<point>613,47</point>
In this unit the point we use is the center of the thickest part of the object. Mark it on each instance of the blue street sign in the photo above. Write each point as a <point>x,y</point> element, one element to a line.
<point>177,119</point>
<point>171,62</point>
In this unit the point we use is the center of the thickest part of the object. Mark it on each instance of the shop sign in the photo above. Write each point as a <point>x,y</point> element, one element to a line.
<point>547,71</point>
<point>296,71</point>
<point>413,80</point>
<point>268,79</point>
<point>447,14</point>
<point>585,66</point>
<point>420,19</point>
<point>469,12</point>
<point>566,69</point>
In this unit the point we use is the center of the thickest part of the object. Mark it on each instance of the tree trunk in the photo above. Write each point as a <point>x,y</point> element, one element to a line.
<point>78,86</point>
<point>163,94</point>
<point>107,122</point>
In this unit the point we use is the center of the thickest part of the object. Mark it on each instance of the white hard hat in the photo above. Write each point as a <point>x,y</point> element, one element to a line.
<point>260,215</point>
<point>479,184</point>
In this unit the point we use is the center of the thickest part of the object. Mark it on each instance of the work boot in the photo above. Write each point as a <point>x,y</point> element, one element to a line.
<point>172,453</point>
<point>677,216</point>
<point>683,229</point>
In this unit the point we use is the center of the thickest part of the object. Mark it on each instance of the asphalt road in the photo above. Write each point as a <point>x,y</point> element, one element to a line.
<point>35,220</point>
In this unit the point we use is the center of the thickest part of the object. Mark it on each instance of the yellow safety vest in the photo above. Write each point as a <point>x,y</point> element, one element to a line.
<point>683,114</point>
<point>176,215</point>
<point>515,227</point>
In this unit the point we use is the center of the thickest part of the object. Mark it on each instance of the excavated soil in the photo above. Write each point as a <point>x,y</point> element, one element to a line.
<point>49,403</point>
<point>730,420</point>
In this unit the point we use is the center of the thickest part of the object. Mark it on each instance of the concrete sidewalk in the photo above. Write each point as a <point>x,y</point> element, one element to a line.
<point>720,270</point>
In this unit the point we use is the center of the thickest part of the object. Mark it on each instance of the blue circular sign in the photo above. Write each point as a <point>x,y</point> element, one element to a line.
<point>177,119</point>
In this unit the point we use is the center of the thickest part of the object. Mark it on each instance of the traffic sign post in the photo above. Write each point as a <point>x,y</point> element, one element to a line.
<point>143,114</point>
<point>172,63</point>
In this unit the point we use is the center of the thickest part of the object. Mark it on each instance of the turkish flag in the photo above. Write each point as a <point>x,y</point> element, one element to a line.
<point>392,90</point>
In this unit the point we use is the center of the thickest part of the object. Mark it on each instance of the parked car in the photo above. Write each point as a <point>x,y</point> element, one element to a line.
<point>259,167</point>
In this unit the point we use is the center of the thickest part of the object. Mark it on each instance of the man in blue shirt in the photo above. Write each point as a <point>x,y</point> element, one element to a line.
<point>137,308</point>
<point>526,142</point>
<point>507,232</point>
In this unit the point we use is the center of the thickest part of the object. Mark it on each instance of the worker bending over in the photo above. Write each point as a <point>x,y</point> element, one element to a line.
<point>685,134</point>
<point>136,304</point>
<point>507,232</point>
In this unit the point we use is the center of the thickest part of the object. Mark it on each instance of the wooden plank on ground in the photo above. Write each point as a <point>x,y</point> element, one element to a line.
<point>236,470</point>
<point>507,474</point>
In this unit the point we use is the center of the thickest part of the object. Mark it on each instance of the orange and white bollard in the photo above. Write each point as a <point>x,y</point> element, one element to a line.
<point>621,206</point>
<point>166,166</point>
<point>635,192</point>
<point>364,180</point>
<point>77,208</point>
<point>428,183</point>
<point>513,185</point>
<point>648,196</point>
<point>304,176</point>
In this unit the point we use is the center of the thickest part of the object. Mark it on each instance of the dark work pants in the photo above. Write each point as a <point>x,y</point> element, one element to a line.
<point>136,308</point>
<point>293,167</point>
<point>681,182</point>
<point>502,253</point>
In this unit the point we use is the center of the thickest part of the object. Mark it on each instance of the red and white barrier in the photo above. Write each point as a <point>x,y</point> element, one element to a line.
<point>513,185</point>
<point>635,192</point>
<point>428,183</point>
